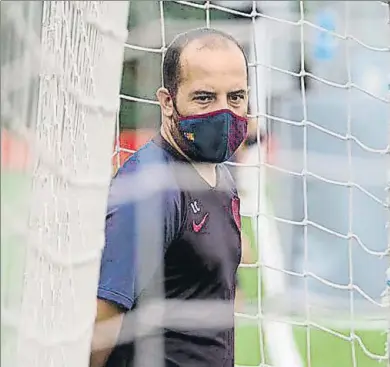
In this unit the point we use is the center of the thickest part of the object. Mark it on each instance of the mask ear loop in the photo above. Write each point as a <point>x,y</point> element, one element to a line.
<point>176,115</point>
<point>176,134</point>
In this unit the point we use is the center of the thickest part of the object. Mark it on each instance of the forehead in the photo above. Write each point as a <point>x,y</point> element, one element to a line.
<point>221,66</point>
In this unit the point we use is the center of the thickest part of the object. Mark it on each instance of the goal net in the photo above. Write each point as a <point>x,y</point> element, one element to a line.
<point>58,109</point>
<point>314,191</point>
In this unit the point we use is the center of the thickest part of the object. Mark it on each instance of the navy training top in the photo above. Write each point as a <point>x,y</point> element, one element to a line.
<point>171,235</point>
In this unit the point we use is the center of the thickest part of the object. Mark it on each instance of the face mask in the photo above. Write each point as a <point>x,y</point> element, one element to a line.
<point>212,137</point>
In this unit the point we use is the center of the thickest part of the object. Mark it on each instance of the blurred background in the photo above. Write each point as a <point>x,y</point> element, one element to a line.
<point>347,131</point>
<point>322,99</point>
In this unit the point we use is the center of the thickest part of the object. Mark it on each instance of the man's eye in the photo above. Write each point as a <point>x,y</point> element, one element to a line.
<point>203,98</point>
<point>237,97</point>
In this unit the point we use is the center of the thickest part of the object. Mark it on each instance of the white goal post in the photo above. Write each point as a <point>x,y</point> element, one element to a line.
<point>76,54</point>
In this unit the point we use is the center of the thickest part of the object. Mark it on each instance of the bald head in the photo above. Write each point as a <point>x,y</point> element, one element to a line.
<point>194,40</point>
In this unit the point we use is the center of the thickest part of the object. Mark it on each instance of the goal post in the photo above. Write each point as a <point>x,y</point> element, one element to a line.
<point>77,54</point>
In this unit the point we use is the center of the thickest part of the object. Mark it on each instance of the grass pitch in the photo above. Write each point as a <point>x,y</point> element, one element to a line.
<point>326,350</point>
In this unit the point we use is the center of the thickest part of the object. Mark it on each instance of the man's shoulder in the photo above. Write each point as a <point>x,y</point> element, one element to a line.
<point>145,174</point>
<point>148,155</point>
<point>150,161</point>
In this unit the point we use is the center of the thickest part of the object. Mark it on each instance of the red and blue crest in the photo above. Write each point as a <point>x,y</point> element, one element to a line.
<point>236,212</point>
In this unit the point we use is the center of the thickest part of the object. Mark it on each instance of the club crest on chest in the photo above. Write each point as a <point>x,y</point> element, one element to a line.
<point>199,219</point>
<point>236,211</point>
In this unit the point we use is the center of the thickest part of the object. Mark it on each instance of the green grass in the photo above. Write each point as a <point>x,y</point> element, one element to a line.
<point>326,350</point>
<point>14,193</point>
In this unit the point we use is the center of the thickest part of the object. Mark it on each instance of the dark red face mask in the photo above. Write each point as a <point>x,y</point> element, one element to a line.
<point>212,137</point>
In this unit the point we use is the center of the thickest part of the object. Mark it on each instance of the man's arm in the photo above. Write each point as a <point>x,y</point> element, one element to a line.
<point>131,228</point>
<point>246,258</point>
<point>116,289</point>
<point>246,250</point>
<point>106,331</point>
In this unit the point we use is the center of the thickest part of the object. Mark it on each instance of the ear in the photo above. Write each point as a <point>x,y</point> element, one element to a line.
<point>166,102</point>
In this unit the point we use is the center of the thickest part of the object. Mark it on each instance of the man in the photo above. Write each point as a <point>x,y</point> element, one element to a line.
<point>184,240</point>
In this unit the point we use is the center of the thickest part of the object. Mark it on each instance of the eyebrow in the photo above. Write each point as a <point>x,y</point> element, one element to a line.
<point>208,93</point>
<point>203,92</point>
<point>240,91</point>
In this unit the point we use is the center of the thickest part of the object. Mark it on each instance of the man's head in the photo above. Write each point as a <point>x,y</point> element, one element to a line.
<point>204,71</point>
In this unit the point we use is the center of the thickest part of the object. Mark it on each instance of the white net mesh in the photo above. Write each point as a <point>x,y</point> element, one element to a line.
<point>58,53</point>
<point>318,213</point>
<point>314,209</point>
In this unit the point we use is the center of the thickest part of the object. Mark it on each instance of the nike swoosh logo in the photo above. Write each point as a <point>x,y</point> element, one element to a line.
<point>198,227</point>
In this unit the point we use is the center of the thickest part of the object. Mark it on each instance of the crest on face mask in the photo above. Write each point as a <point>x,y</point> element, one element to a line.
<point>189,136</point>
<point>212,137</point>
